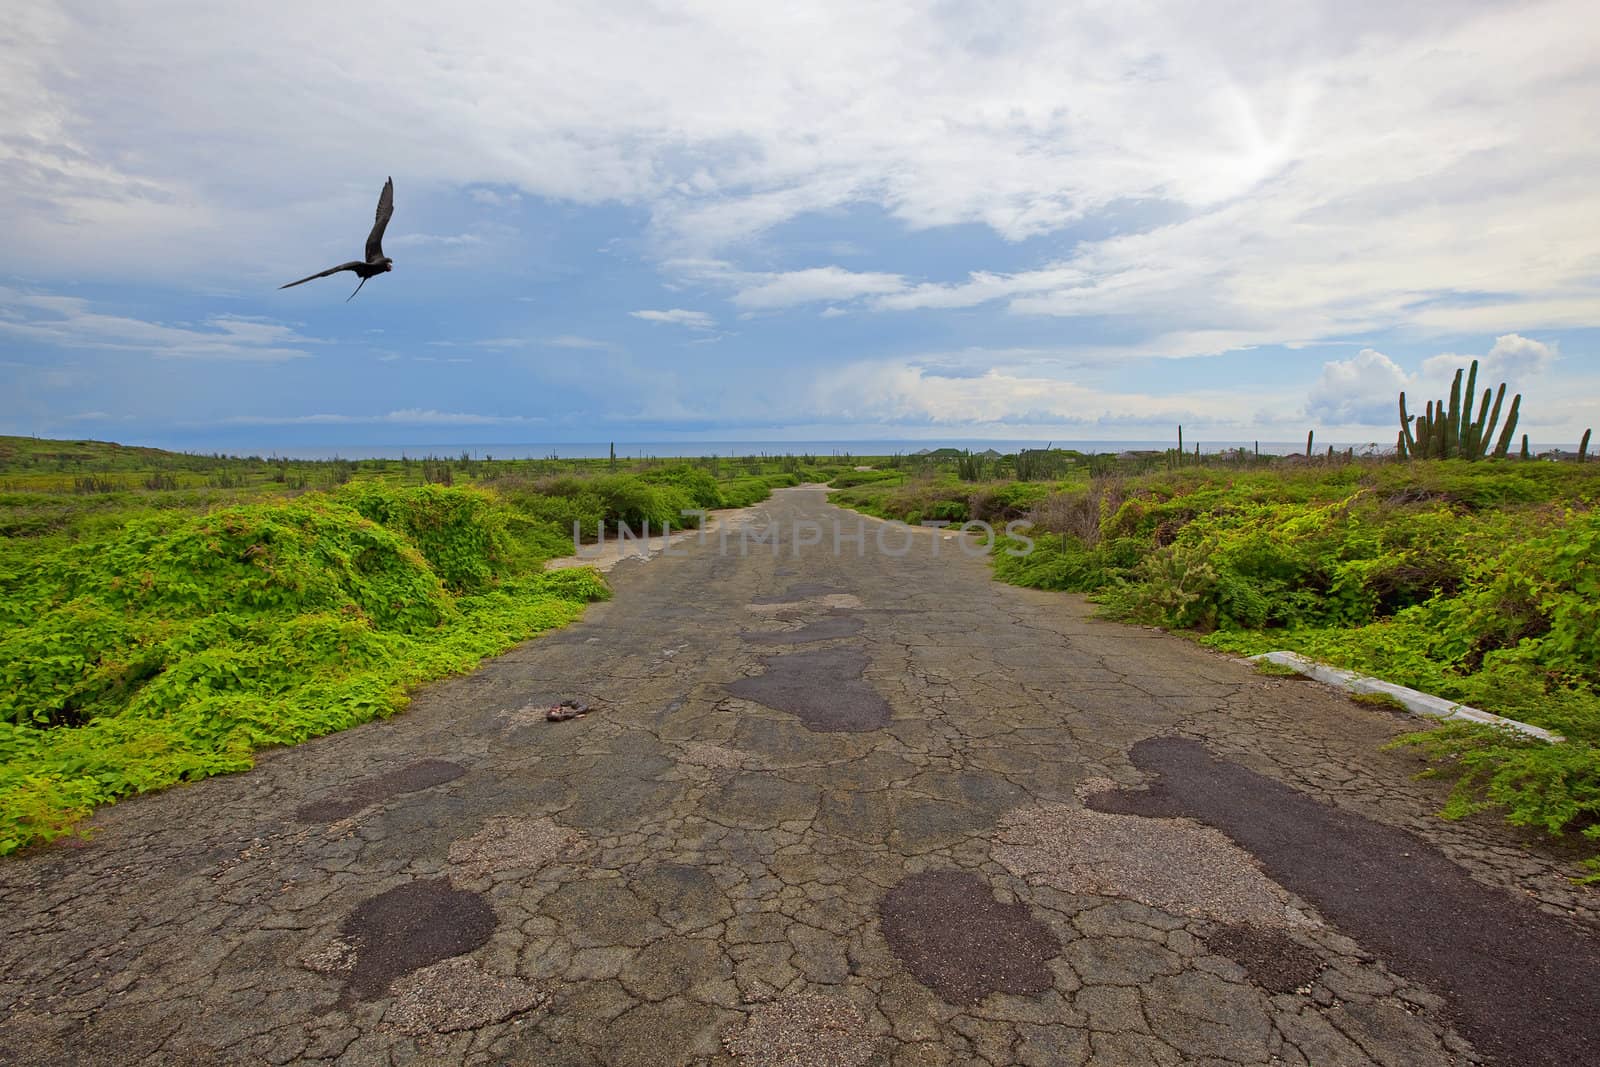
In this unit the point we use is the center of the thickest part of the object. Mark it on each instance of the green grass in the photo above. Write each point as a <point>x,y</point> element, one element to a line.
<point>165,616</point>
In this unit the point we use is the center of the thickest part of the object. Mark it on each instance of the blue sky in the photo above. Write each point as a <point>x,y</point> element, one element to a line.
<point>732,222</point>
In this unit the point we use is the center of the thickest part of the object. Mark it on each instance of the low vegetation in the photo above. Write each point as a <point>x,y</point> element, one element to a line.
<point>166,616</point>
<point>1477,581</point>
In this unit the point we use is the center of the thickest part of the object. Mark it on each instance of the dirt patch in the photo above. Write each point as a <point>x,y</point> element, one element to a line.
<point>1174,865</point>
<point>955,938</point>
<point>1273,960</point>
<point>808,1030</point>
<point>410,927</point>
<point>424,774</point>
<point>1522,985</point>
<point>509,842</point>
<point>824,689</point>
<point>457,994</point>
<point>824,629</point>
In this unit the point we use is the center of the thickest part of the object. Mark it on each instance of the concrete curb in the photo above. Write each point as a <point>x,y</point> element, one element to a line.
<point>1415,702</point>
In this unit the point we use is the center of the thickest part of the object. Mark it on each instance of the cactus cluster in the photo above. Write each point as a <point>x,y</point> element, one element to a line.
<point>1452,433</point>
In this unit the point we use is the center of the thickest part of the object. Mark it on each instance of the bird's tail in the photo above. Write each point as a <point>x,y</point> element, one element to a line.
<point>352,296</point>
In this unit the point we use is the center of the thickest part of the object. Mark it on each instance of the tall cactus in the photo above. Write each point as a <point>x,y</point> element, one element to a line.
<point>1504,446</point>
<point>1583,446</point>
<point>1452,432</point>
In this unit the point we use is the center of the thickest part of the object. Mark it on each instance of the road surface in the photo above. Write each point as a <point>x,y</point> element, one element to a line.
<point>846,804</point>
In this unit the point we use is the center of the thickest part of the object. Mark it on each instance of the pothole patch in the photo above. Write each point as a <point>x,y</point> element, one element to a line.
<point>509,842</point>
<point>423,774</point>
<point>806,1030</point>
<point>1173,865</point>
<point>458,994</point>
<point>1273,960</point>
<point>823,688</point>
<point>408,928</point>
<point>955,938</point>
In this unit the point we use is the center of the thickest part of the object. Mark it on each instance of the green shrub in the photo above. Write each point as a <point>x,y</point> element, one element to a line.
<point>562,510</point>
<point>847,478</point>
<point>695,483</point>
<point>1006,501</point>
<point>1479,582</point>
<point>177,645</point>
<point>460,532</point>
<point>743,492</point>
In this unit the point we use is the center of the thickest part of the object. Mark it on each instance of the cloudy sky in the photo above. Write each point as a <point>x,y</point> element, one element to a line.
<point>736,221</point>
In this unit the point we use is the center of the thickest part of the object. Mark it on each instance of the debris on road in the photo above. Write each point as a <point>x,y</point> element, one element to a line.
<point>567,709</point>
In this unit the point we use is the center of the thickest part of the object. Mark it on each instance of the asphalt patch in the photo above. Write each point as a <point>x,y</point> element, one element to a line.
<point>824,689</point>
<point>1174,865</point>
<point>424,774</point>
<point>1522,985</point>
<point>458,994</point>
<point>1273,960</point>
<point>410,927</point>
<point>955,938</point>
<point>824,629</point>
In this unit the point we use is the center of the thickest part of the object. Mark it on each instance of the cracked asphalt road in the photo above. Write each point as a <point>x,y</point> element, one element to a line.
<point>698,871</point>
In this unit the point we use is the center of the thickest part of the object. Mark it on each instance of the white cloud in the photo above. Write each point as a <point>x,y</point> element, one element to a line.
<point>69,322</point>
<point>568,340</point>
<point>441,240</point>
<point>1361,391</point>
<point>1336,171</point>
<point>982,287</point>
<point>495,198</point>
<point>1516,357</point>
<point>1006,399</point>
<point>694,320</point>
<point>1513,359</point>
<point>787,289</point>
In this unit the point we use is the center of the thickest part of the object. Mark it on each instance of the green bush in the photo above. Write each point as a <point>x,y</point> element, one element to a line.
<point>180,643</point>
<point>1006,501</point>
<point>743,492</point>
<point>1479,582</point>
<point>460,532</point>
<point>847,478</point>
<point>695,483</point>
<point>561,510</point>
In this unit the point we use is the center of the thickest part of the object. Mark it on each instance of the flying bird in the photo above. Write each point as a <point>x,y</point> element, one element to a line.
<point>376,262</point>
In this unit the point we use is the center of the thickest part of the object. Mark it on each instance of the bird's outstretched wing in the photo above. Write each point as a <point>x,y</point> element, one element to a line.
<point>354,264</point>
<point>385,210</point>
